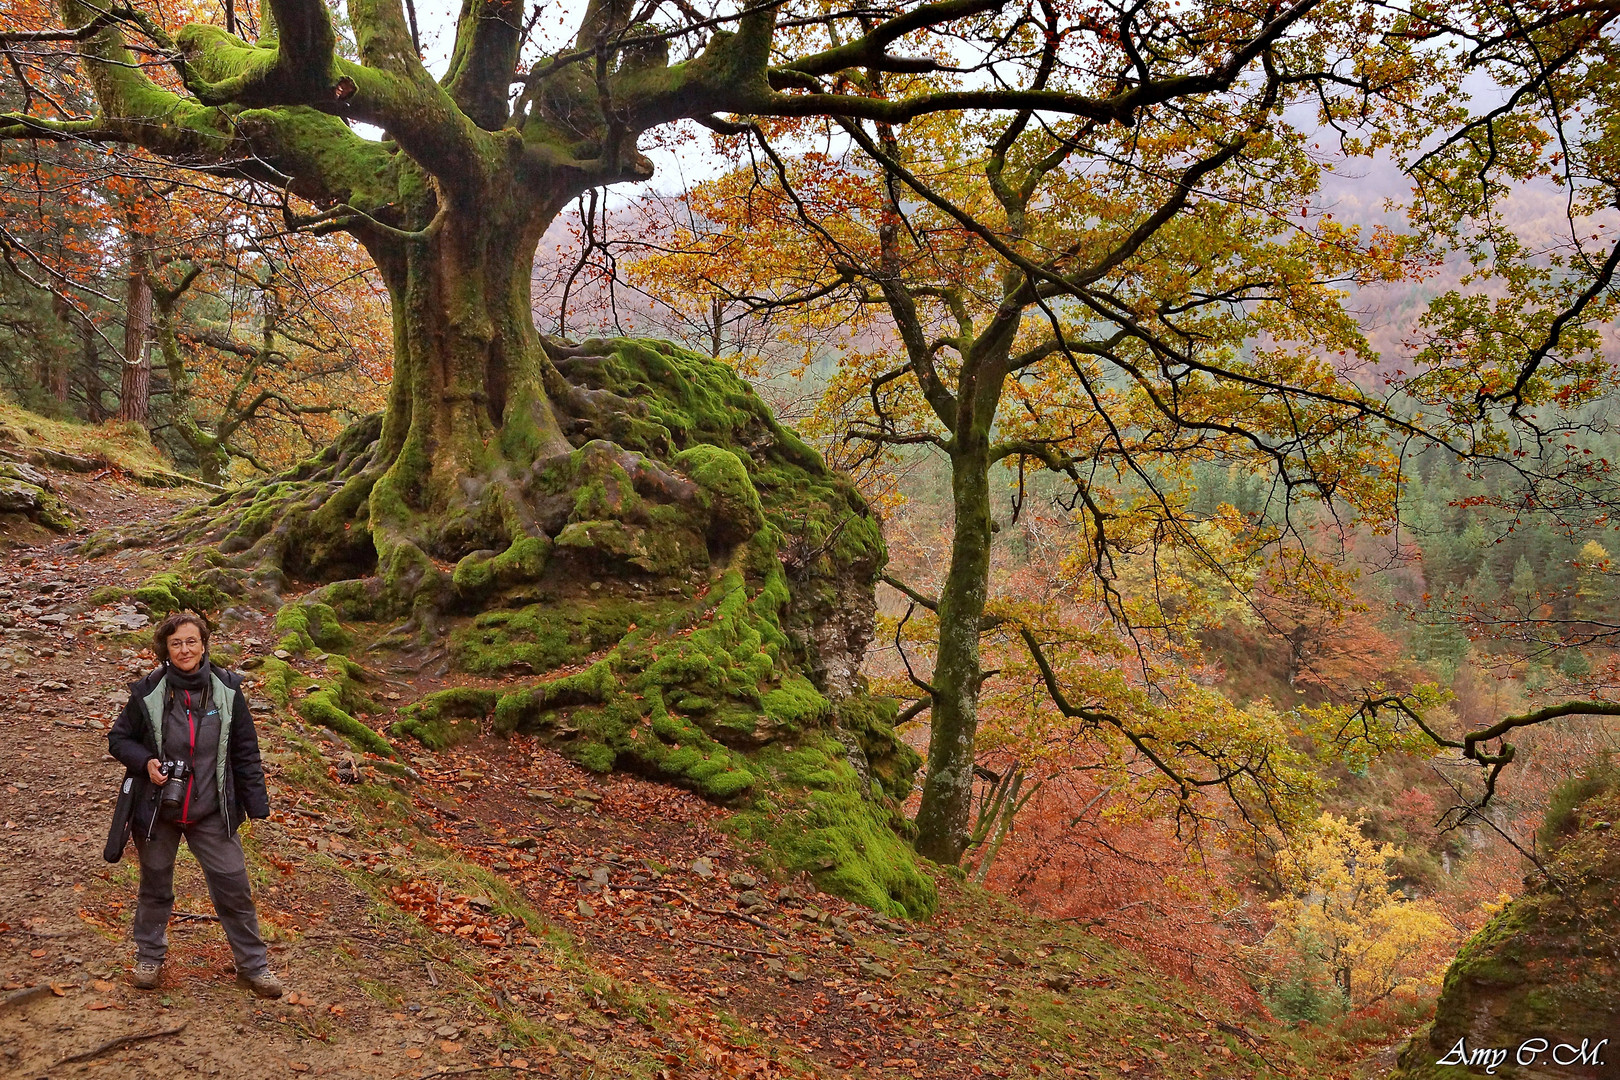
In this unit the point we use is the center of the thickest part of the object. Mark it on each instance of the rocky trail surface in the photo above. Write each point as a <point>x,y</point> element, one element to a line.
<point>497,911</point>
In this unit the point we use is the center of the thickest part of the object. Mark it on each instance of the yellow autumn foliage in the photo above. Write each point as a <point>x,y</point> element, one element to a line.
<point>1341,915</point>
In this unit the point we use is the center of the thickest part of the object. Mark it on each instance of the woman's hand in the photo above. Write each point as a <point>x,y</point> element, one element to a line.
<point>154,771</point>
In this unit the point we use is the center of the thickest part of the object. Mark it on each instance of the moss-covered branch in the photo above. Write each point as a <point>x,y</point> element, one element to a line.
<point>489,37</point>
<point>293,67</point>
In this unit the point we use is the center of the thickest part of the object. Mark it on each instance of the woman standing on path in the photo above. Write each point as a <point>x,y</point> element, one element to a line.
<point>190,712</point>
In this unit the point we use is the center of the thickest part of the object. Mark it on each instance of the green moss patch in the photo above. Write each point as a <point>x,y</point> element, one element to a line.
<point>445,718</point>
<point>818,821</point>
<point>543,637</point>
<point>727,491</point>
<point>281,681</point>
<point>891,764</point>
<point>24,491</point>
<point>482,572</point>
<point>325,707</point>
<point>311,626</point>
<point>795,704</point>
<point>168,592</point>
<point>331,703</point>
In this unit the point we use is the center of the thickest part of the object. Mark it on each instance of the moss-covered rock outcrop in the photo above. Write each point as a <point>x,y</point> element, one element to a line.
<point>706,592</point>
<point>26,491</point>
<point>1546,968</point>
<point>685,591</point>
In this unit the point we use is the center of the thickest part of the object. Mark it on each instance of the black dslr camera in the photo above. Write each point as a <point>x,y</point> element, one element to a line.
<point>174,789</point>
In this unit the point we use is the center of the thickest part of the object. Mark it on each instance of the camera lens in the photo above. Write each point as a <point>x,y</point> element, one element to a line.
<point>174,789</point>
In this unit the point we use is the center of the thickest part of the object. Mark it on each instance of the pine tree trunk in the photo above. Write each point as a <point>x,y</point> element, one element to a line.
<point>943,816</point>
<point>135,387</point>
<point>53,365</point>
<point>89,361</point>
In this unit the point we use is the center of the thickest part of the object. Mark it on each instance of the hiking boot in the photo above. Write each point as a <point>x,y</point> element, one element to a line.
<point>147,974</point>
<point>265,984</point>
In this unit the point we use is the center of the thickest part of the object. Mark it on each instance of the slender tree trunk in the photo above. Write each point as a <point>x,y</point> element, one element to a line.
<point>54,366</point>
<point>1004,817</point>
<point>135,387</point>
<point>208,449</point>
<point>89,360</point>
<point>942,818</point>
<point>59,381</point>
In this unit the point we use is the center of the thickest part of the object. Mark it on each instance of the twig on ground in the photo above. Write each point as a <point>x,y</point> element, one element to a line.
<point>433,980</point>
<point>119,1043</point>
<point>763,925</point>
<point>749,919</point>
<point>733,948</point>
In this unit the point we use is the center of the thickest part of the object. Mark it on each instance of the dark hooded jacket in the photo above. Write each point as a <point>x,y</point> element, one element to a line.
<point>136,738</point>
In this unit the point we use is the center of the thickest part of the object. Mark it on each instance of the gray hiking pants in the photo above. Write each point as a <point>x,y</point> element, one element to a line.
<point>220,856</point>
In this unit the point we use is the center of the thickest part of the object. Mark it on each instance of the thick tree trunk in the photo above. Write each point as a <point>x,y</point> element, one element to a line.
<point>468,419</point>
<point>943,817</point>
<point>468,408</point>
<point>135,387</point>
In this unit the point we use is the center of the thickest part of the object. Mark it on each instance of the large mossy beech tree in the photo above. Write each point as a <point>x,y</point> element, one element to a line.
<point>452,498</point>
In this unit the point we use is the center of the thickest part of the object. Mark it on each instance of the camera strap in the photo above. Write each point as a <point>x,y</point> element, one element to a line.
<point>191,757</point>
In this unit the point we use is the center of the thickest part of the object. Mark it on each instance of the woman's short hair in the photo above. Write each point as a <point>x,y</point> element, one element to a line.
<point>165,630</point>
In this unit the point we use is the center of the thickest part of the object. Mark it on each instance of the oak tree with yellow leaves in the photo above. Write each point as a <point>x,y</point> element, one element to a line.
<point>1339,913</point>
